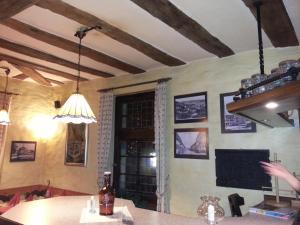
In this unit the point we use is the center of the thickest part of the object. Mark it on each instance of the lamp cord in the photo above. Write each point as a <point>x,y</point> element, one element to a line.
<point>260,42</point>
<point>78,65</point>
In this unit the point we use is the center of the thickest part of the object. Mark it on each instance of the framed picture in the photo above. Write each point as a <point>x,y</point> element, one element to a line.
<point>191,143</point>
<point>190,108</point>
<point>22,151</point>
<point>76,144</point>
<point>231,123</point>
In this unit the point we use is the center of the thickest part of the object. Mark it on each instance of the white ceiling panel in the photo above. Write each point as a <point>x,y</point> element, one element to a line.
<point>45,63</point>
<point>66,28</point>
<point>19,38</point>
<point>293,9</point>
<point>230,21</point>
<point>134,20</point>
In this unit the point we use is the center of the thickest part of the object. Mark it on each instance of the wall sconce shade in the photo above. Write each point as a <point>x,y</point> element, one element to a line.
<point>4,118</point>
<point>76,110</point>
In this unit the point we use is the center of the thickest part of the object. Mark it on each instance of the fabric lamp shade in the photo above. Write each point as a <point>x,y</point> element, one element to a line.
<point>4,117</point>
<point>76,110</point>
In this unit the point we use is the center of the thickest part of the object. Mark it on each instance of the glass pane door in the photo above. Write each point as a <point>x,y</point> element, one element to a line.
<point>135,159</point>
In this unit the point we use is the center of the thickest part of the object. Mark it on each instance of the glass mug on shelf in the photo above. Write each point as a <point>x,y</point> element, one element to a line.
<point>246,83</point>
<point>285,65</point>
<point>256,79</point>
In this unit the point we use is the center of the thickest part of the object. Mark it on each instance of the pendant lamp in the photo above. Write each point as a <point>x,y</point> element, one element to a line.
<point>76,109</point>
<point>4,117</point>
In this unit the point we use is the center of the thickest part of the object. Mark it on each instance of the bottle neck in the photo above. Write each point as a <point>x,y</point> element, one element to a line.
<point>107,180</point>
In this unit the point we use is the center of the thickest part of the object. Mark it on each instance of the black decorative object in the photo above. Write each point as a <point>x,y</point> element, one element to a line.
<point>57,104</point>
<point>190,108</point>
<point>241,168</point>
<point>232,123</point>
<point>235,201</point>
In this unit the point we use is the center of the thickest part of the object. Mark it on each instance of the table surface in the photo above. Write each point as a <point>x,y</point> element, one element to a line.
<point>66,210</point>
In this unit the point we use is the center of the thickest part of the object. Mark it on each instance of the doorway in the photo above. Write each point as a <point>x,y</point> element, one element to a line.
<point>134,155</point>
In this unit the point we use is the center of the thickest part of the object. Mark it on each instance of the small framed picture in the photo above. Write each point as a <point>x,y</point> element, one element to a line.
<point>22,151</point>
<point>190,108</point>
<point>76,144</point>
<point>231,123</point>
<point>191,143</point>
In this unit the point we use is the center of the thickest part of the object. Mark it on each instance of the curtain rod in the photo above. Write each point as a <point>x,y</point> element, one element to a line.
<point>9,93</point>
<point>136,84</point>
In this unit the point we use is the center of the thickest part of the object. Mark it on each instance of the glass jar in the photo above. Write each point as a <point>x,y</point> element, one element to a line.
<point>285,66</point>
<point>106,196</point>
<point>274,73</point>
<point>214,201</point>
<point>246,83</point>
<point>256,79</point>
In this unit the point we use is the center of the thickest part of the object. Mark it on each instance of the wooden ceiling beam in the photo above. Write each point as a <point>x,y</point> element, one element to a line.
<point>275,22</point>
<point>23,76</point>
<point>55,82</point>
<point>62,8</point>
<point>50,58</point>
<point>34,75</point>
<point>179,21</point>
<point>69,45</point>
<point>9,8</point>
<point>16,61</point>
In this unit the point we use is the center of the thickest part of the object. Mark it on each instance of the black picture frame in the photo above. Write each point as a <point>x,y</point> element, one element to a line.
<point>22,151</point>
<point>231,123</point>
<point>190,108</point>
<point>76,145</point>
<point>191,143</point>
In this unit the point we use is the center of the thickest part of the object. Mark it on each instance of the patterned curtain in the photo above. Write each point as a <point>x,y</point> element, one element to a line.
<point>3,129</point>
<point>162,177</point>
<point>105,122</point>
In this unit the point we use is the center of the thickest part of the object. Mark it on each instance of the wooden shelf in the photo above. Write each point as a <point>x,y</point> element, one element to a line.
<point>287,98</point>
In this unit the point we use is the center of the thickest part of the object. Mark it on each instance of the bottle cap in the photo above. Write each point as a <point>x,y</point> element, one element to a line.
<point>107,173</point>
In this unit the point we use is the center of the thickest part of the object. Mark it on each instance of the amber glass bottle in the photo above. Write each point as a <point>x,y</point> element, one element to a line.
<point>106,196</point>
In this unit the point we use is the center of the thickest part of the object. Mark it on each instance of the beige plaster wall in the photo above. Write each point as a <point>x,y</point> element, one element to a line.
<point>31,115</point>
<point>189,178</point>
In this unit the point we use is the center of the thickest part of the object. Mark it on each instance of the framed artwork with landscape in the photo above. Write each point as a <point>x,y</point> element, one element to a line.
<point>191,143</point>
<point>22,151</point>
<point>231,123</point>
<point>76,144</point>
<point>190,108</point>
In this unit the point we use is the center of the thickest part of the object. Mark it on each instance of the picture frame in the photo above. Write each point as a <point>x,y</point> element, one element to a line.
<point>22,151</point>
<point>231,123</point>
<point>190,108</point>
<point>76,144</point>
<point>191,143</point>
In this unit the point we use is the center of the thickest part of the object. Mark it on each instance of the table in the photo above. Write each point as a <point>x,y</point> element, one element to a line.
<point>66,210</point>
